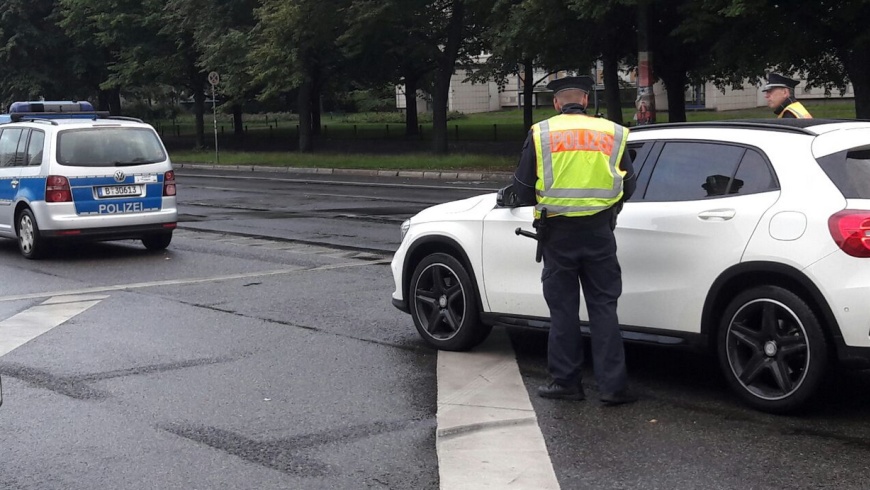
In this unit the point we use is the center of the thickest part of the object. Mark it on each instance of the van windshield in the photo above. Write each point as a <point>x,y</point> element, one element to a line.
<point>109,147</point>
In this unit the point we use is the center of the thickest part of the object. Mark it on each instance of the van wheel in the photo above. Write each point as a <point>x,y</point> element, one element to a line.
<point>158,241</point>
<point>443,303</point>
<point>772,349</point>
<point>31,244</point>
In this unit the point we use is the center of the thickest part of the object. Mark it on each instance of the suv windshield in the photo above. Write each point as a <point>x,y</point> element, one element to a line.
<point>109,147</point>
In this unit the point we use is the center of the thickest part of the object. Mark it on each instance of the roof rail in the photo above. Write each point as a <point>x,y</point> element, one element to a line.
<point>125,118</point>
<point>22,116</point>
<point>36,120</point>
<point>767,125</point>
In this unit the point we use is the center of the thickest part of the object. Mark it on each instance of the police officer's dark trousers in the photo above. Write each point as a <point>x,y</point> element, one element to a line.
<point>588,253</point>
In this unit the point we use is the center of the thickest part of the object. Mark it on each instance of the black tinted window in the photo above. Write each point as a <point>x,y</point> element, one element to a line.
<point>688,171</point>
<point>850,172</point>
<point>107,147</point>
<point>9,156</point>
<point>753,175</point>
<point>34,149</point>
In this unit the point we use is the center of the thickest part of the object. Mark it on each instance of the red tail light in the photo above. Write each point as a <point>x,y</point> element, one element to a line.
<point>57,189</point>
<point>851,230</point>
<point>169,183</point>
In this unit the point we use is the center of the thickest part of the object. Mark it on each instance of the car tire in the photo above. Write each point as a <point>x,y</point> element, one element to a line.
<point>443,304</point>
<point>157,241</point>
<point>30,242</point>
<point>772,349</point>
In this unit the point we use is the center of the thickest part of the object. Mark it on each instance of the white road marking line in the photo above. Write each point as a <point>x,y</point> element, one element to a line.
<point>488,434</point>
<point>33,322</point>
<point>175,282</point>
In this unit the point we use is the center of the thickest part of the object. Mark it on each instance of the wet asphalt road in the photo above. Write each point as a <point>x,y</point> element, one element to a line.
<point>261,351</point>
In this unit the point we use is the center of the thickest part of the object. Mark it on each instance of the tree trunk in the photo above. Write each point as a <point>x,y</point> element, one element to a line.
<point>445,66</point>
<point>238,129</point>
<point>411,119</point>
<point>304,100</point>
<point>528,94</point>
<point>439,112</point>
<point>110,100</point>
<point>315,112</point>
<point>199,109</point>
<point>611,88</point>
<point>859,75</point>
<point>675,83</point>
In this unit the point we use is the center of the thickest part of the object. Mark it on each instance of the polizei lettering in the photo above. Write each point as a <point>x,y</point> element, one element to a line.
<point>121,207</point>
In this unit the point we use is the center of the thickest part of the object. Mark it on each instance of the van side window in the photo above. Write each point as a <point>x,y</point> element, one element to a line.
<point>9,147</point>
<point>34,148</point>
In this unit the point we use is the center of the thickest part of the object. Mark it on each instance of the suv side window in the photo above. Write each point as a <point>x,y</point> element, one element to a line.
<point>34,148</point>
<point>9,147</point>
<point>688,171</point>
<point>753,176</point>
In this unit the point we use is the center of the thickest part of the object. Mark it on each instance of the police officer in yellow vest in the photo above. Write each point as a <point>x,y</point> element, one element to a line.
<point>779,92</point>
<point>576,167</point>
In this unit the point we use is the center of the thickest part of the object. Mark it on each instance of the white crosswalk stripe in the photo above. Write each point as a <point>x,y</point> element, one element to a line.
<point>33,322</point>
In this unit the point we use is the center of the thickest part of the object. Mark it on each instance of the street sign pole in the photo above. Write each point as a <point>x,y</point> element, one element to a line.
<point>214,79</point>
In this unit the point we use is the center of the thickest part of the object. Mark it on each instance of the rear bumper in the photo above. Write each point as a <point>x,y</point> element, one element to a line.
<point>110,233</point>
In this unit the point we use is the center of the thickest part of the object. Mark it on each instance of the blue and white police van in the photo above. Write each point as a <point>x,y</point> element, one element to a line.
<point>68,172</point>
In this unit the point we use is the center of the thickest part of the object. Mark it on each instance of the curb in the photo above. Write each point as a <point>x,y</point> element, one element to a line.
<point>412,174</point>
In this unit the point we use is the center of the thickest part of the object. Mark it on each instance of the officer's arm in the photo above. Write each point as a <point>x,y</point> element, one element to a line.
<point>525,176</point>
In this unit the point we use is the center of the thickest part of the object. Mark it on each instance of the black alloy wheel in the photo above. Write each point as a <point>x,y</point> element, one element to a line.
<point>444,304</point>
<point>772,349</point>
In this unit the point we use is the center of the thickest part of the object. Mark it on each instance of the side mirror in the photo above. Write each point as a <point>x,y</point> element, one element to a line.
<point>507,198</point>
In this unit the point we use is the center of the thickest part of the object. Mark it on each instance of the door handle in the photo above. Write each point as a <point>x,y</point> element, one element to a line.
<point>717,214</point>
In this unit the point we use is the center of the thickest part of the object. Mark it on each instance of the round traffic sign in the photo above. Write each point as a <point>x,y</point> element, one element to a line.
<point>214,78</point>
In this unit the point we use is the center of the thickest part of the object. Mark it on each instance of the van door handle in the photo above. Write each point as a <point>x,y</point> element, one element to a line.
<point>717,214</point>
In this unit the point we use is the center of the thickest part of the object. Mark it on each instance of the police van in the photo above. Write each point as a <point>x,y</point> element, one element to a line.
<point>70,173</point>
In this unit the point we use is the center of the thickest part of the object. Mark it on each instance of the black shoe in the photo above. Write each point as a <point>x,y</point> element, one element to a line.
<point>557,391</point>
<point>618,398</point>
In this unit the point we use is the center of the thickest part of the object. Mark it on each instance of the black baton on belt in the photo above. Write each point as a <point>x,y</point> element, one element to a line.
<point>541,226</point>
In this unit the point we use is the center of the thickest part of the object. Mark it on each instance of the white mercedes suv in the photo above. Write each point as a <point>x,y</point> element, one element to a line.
<point>748,239</point>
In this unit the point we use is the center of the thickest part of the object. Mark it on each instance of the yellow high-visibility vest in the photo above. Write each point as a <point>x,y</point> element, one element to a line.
<point>578,164</point>
<point>798,110</point>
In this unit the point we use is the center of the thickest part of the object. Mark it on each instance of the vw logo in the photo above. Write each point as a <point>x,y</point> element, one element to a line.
<point>119,176</point>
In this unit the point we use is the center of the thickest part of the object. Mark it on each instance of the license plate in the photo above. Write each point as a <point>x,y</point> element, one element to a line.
<point>119,190</point>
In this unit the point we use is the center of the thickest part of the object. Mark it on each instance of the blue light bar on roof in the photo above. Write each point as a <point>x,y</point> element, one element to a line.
<point>53,106</point>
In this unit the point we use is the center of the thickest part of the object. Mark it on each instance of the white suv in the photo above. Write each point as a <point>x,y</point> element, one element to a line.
<point>747,239</point>
<point>70,173</point>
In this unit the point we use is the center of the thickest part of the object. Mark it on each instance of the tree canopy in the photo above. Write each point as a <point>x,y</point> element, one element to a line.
<point>292,52</point>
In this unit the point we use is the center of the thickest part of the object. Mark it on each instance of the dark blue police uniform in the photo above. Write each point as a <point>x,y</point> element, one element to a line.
<point>584,248</point>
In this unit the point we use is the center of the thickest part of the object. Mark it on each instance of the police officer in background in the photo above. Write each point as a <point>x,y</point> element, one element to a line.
<point>576,167</point>
<point>779,92</point>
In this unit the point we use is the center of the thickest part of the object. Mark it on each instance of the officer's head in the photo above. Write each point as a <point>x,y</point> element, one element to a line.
<point>570,90</point>
<point>778,89</point>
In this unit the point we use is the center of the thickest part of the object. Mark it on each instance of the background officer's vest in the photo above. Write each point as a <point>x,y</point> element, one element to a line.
<point>798,110</point>
<point>578,164</point>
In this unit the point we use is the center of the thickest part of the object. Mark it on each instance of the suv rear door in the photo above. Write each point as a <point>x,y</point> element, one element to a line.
<point>696,207</point>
